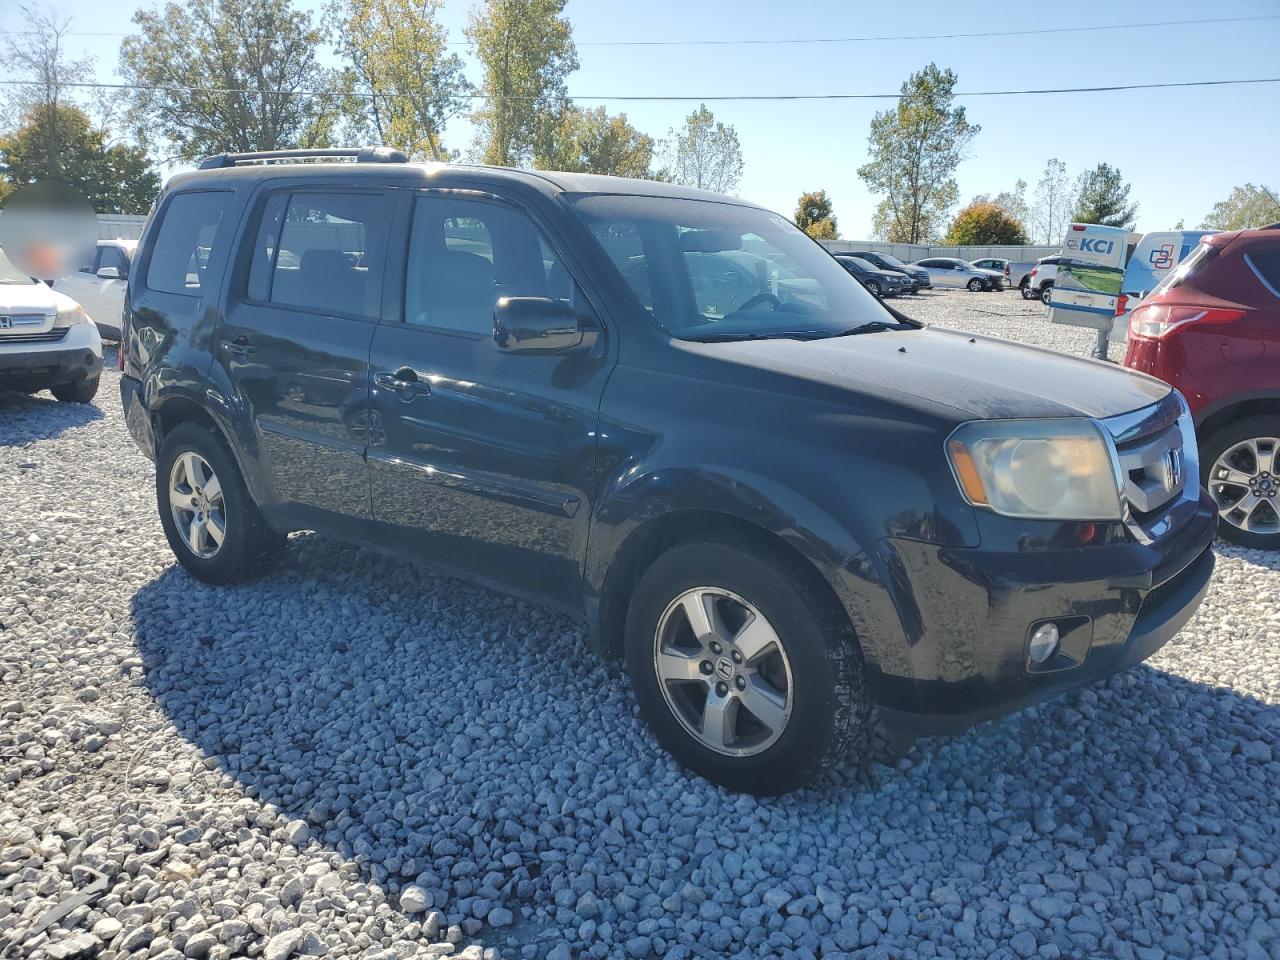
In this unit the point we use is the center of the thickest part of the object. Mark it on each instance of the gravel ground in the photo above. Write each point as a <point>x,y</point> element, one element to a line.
<point>354,758</point>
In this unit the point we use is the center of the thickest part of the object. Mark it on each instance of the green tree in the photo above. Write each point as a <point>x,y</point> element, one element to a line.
<point>705,153</point>
<point>45,76</point>
<point>527,52</point>
<point>592,141</point>
<point>815,217</point>
<point>217,75</point>
<point>63,144</point>
<point>915,149</point>
<point>985,222</point>
<point>1102,197</point>
<point>1052,200</point>
<point>403,82</point>
<point>1013,202</point>
<point>1247,206</point>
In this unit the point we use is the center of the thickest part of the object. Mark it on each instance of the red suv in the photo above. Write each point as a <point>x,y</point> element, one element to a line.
<point>1212,329</point>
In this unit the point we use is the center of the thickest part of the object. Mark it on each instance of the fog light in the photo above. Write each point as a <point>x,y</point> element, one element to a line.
<point>1044,642</point>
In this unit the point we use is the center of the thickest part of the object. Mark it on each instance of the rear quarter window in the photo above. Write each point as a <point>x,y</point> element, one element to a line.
<point>1265,264</point>
<point>184,242</point>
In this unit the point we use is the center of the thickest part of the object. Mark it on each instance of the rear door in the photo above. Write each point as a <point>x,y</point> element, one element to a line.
<point>293,345</point>
<point>484,461</point>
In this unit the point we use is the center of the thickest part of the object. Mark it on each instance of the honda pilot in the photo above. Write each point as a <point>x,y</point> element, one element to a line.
<point>782,506</point>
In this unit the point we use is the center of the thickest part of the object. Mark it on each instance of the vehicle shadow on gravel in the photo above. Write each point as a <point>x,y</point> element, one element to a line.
<point>25,418</point>
<point>443,734</point>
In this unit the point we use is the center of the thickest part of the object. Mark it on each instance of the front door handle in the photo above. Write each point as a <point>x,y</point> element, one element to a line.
<point>405,382</point>
<point>239,347</point>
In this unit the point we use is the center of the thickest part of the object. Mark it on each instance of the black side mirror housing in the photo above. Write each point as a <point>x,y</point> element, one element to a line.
<point>539,325</point>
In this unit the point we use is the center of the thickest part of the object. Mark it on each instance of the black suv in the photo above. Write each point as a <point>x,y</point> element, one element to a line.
<point>783,505</point>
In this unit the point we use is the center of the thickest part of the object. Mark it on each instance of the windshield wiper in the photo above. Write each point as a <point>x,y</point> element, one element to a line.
<point>758,335</point>
<point>871,326</point>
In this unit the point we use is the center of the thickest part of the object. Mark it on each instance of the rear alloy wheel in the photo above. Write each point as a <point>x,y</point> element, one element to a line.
<point>212,524</point>
<point>975,285</point>
<point>1242,474</point>
<point>747,673</point>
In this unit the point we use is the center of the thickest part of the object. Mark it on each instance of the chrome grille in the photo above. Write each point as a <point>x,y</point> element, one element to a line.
<point>1159,463</point>
<point>21,321</point>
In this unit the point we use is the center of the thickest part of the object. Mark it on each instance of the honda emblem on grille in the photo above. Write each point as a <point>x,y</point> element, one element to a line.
<point>6,323</point>
<point>1172,470</point>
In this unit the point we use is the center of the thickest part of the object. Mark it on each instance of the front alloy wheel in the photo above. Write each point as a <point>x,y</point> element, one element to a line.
<point>723,671</point>
<point>975,285</point>
<point>197,505</point>
<point>744,665</point>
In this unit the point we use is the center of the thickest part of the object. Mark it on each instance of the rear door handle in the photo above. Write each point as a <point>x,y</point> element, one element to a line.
<point>239,347</point>
<point>405,382</point>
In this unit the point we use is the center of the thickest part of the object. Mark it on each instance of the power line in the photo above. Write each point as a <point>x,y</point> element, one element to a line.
<point>658,98</point>
<point>879,38</point>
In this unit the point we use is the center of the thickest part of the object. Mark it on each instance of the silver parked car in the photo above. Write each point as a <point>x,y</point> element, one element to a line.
<point>950,272</point>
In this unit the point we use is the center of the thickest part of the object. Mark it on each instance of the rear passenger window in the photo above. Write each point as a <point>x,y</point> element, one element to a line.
<point>320,251</point>
<point>465,254</point>
<point>1266,264</point>
<point>180,253</point>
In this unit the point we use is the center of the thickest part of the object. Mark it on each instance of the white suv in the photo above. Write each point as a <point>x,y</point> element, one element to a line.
<point>46,340</point>
<point>98,284</point>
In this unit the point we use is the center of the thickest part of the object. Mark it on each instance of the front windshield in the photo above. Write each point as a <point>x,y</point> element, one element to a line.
<point>718,271</point>
<point>11,274</point>
<point>891,260</point>
<point>865,265</point>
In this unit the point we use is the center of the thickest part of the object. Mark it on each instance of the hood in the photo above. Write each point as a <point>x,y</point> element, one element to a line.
<point>890,274</point>
<point>28,298</point>
<point>989,273</point>
<point>982,378</point>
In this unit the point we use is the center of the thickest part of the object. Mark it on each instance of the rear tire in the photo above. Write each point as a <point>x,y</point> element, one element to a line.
<point>186,492</point>
<point>76,391</point>
<point>1239,462</point>
<point>780,639</point>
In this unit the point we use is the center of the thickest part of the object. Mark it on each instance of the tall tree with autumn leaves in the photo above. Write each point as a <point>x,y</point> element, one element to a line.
<point>526,50</point>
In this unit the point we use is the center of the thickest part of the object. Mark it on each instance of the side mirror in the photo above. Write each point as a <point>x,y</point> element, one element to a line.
<point>538,325</point>
<point>109,273</point>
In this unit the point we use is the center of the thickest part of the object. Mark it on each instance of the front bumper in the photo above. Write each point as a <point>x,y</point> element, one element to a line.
<point>78,356</point>
<point>966,616</point>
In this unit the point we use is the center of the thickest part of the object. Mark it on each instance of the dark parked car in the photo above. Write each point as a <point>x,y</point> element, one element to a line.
<point>880,283</point>
<point>779,513</point>
<point>919,275</point>
<point>1212,329</point>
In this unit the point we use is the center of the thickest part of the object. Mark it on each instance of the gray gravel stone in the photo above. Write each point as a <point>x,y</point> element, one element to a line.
<point>335,759</point>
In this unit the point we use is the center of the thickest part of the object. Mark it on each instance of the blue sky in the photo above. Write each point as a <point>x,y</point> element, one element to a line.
<point>1181,149</point>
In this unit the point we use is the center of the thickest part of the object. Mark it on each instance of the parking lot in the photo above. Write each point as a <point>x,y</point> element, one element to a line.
<point>356,758</point>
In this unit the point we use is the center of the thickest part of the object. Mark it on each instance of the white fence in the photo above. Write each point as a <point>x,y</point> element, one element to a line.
<point>910,252</point>
<point>119,226</point>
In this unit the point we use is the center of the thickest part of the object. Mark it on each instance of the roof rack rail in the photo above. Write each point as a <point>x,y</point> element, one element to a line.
<point>357,154</point>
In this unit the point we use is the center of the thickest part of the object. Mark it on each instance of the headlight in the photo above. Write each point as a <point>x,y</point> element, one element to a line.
<point>70,317</point>
<point>1042,469</point>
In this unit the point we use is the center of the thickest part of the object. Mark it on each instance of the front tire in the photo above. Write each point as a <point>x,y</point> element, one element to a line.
<point>212,524</point>
<point>743,668</point>
<point>1240,466</point>
<point>873,288</point>
<point>975,285</point>
<point>1045,292</point>
<point>76,391</point>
